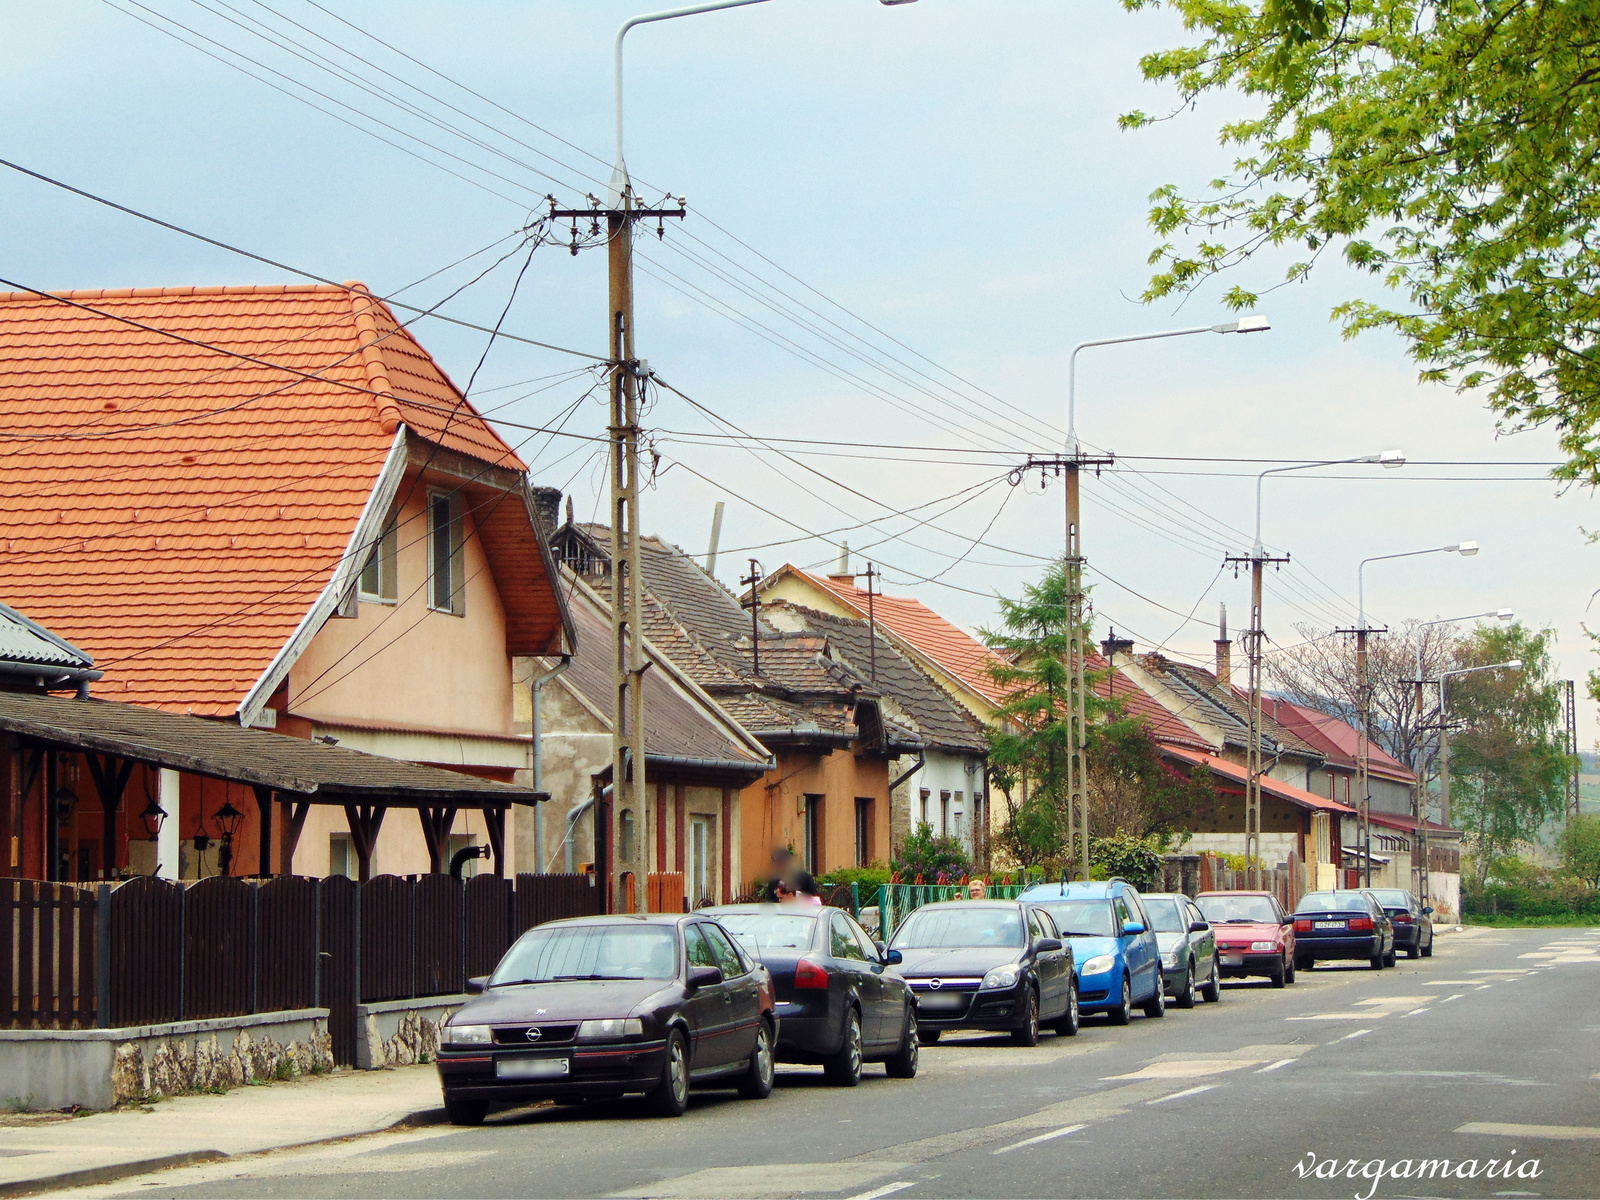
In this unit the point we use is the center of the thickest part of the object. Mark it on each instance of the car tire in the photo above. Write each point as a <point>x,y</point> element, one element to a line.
<point>1212,991</point>
<point>843,1067</point>
<point>1027,1034</point>
<point>1413,951</point>
<point>1123,1013</point>
<point>1288,969</point>
<point>756,1082</point>
<point>670,1097</point>
<point>465,1112</point>
<point>1156,1006</point>
<point>1427,951</point>
<point>1279,975</point>
<point>902,1064</point>
<point>1377,962</point>
<point>1185,998</point>
<point>1388,959</point>
<point>928,1037</point>
<point>1304,964</point>
<point>1070,1021</point>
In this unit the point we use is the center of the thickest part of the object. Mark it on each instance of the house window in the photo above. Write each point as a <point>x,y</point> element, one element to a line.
<point>863,830</point>
<point>445,558</point>
<point>380,578</point>
<point>341,856</point>
<point>955,817</point>
<point>944,812</point>
<point>923,818</point>
<point>700,841</point>
<point>813,834</point>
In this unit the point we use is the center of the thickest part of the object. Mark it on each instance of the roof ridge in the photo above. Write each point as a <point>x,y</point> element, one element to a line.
<point>368,337</point>
<point>179,292</point>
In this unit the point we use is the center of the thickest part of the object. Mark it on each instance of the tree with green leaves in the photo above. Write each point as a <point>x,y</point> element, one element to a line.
<point>1508,760</point>
<point>1450,149</point>
<point>1580,848</point>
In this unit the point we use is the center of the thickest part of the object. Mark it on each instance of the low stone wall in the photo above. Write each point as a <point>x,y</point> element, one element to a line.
<point>397,1033</point>
<point>101,1068</point>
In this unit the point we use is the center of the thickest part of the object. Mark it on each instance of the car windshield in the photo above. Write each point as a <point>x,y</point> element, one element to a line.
<point>1318,902</point>
<point>589,952</point>
<point>963,925</point>
<point>1238,910</point>
<point>1165,917</point>
<point>759,932</point>
<point>1393,899</point>
<point>1082,918</point>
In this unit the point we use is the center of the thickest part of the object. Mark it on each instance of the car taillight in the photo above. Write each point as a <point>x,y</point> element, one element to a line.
<point>1402,918</point>
<point>808,975</point>
<point>1360,923</point>
<point>1302,925</point>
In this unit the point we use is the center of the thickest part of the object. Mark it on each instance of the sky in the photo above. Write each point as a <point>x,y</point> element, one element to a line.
<point>901,220</point>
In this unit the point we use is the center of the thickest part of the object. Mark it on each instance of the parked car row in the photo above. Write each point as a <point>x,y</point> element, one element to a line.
<point>600,1007</point>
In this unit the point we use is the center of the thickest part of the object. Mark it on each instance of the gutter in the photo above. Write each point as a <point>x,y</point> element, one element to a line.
<point>743,765</point>
<point>922,761</point>
<point>538,764</point>
<point>51,677</point>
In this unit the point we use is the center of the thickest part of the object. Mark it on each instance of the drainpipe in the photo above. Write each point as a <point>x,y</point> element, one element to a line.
<point>538,763</point>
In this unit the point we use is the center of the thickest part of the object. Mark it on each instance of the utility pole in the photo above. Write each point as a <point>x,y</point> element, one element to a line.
<point>1072,465</point>
<point>1257,559</point>
<point>753,579</point>
<point>1363,748</point>
<point>872,625</point>
<point>1572,749</point>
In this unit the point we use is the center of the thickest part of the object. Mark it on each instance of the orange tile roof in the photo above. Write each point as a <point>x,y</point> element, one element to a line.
<point>954,649</point>
<point>1235,774</point>
<point>175,492</point>
<point>1134,701</point>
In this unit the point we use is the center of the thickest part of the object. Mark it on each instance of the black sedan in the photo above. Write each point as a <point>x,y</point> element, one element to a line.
<point>987,964</point>
<point>603,1006</point>
<point>838,1002</point>
<point>1342,925</point>
<point>1413,921</point>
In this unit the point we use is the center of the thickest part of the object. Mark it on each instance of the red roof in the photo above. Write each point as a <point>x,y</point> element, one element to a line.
<point>175,493</point>
<point>1234,773</point>
<point>1136,702</point>
<point>1337,739</point>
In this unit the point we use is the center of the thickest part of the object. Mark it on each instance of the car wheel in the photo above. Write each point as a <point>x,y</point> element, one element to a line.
<point>1304,964</point>
<point>1413,951</point>
<point>1212,990</point>
<point>843,1068</point>
<point>670,1097</point>
<point>928,1037</point>
<point>1427,951</point>
<point>465,1112</point>
<point>1123,1013</point>
<point>1288,969</point>
<point>1156,1006</point>
<point>1377,962</point>
<point>1027,1034</point>
<point>902,1064</point>
<point>1279,973</point>
<point>1388,959</point>
<point>1070,1021</point>
<point>1186,999</point>
<point>756,1083</point>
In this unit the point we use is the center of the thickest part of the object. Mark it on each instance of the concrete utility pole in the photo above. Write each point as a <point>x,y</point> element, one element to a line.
<point>1572,748</point>
<point>1258,558</point>
<point>1364,697</point>
<point>872,624</point>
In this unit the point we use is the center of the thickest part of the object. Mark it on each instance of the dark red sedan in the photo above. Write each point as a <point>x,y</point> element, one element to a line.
<point>1254,935</point>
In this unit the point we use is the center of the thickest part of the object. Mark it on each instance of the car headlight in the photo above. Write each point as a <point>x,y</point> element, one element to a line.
<point>468,1035</point>
<point>1170,959</point>
<point>1002,977</point>
<point>610,1030</point>
<point>1263,945</point>
<point>1098,965</point>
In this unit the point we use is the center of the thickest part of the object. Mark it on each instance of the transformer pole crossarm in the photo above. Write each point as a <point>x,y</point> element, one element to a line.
<point>1363,747</point>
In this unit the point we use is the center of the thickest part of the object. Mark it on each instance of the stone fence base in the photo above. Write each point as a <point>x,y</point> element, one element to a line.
<point>397,1033</point>
<point>100,1068</point>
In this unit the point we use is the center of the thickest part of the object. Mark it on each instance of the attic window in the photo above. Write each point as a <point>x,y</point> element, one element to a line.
<point>446,561</point>
<point>380,577</point>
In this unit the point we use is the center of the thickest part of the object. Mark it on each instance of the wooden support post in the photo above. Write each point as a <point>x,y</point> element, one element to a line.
<point>110,781</point>
<point>365,821</point>
<point>436,825</point>
<point>495,819</point>
<point>294,822</point>
<point>264,807</point>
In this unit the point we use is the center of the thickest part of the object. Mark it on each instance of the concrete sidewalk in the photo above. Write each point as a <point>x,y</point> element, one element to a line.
<point>41,1154</point>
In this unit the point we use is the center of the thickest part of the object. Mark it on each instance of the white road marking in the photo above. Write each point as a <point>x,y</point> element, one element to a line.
<point>887,1189</point>
<point>1457,996</point>
<point>1043,1137</point>
<point>1560,1133</point>
<point>1414,1012</point>
<point>1194,1091</point>
<point>1449,982</point>
<point>1484,987</point>
<point>1282,1062</point>
<point>1353,1016</point>
<point>1358,1033</point>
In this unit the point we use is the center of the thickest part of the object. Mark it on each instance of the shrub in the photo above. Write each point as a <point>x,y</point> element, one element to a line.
<point>1138,860</point>
<point>930,856</point>
<point>865,878</point>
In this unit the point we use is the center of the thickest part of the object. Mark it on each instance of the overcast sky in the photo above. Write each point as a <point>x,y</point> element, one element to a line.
<point>938,191</point>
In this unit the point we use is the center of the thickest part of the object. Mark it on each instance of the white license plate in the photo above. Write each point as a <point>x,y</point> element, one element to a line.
<point>1327,925</point>
<point>530,1068</point>
<point>1233,960</point>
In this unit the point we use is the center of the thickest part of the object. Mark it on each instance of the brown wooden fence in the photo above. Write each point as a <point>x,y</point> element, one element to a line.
<point>149,951</point>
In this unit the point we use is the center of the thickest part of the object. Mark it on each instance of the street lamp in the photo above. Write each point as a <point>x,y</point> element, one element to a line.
<point>1363,697</point>
<point>1388,459</point>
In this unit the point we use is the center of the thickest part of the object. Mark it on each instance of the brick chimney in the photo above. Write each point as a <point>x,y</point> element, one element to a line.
<point>547,500</point>
<point>1224,650</point>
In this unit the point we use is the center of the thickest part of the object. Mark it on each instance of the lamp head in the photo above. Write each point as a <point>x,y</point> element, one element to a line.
<point>1504,614</point>
<point>893,3</point>
<point>1465,549</point>
<point>1392,458</point>
<point>1254,323</point>
<point>153,816</point>
<point>1514,665</point>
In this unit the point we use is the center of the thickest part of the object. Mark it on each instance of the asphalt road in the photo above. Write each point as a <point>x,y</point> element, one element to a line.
<point>1489,1051</point>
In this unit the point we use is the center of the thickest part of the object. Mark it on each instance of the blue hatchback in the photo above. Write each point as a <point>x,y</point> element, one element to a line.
<point>1114,947</point>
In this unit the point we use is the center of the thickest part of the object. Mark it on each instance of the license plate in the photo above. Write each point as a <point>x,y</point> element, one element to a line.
<point>1327,925</point>
<point>530,1068</point>
<point>1233,960</point>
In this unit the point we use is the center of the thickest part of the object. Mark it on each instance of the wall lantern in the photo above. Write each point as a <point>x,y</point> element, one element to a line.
<point>153,816</point>
<point>228,818</point>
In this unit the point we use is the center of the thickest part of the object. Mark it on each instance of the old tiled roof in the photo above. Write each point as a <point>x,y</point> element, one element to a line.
<point>1133,701</point>
<point>175,492</point>
<point>1232,773</point>
<point>953,649</point>
<point>943,723</point>
<point>1227,706</point>
<point>1335,738</point>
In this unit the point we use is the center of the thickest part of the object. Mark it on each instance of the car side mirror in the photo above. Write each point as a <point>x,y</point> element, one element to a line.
<point>476,984</point>
<point>1287,920</point>
<point>1047,945</point>
<point>1427,911</point>
<point>881,950</point>
<point>700,977</point>
<point>1131,928</point>
<point>1198,926</point>
<point>891,958</point>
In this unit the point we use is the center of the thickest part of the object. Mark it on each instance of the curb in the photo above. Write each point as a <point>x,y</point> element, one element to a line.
<point>89,1176</point>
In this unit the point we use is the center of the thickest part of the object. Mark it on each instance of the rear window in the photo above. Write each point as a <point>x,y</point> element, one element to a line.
<point>1164,916</point>
<point>964,925</point>
<point>1393,899</point>
<point>1238,910</point>
<point>760,932</point>
<point>1332,902</point>
<point>1082,918</point>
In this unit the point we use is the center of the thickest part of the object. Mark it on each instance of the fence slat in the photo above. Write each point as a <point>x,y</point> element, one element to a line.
<point>339,908</point>
<point>10,917</point>
<point>27,991</point>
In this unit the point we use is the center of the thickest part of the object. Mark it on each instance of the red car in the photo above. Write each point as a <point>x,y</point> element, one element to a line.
<point>1254,937</point>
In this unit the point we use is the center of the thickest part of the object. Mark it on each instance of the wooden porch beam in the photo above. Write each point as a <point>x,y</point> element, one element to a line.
<point>264,808</point>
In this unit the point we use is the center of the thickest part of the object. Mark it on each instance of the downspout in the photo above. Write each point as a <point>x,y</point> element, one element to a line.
<point>538,757</point>
<point>922,761</point>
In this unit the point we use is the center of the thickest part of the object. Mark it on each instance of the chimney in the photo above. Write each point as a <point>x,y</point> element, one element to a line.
<point>1112,646</point>
<point>1224,649</point>
<point>841,572</point>
<point>547,500</point>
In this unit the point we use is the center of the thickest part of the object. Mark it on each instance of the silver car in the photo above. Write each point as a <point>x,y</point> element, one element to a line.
<point>1188,948</point>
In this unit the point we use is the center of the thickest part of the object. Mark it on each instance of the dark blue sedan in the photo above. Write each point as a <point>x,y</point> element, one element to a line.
<point>1342,925</point>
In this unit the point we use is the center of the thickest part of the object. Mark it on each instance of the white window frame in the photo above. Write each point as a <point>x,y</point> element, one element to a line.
<point>455,557</point>
<point>384,563</point>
